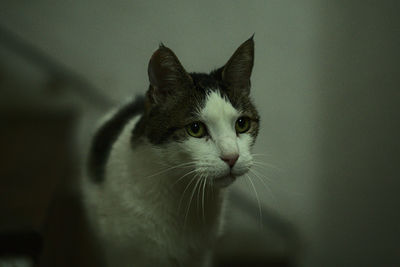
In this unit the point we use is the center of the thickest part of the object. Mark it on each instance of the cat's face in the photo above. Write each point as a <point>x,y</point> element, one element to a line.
<point>204,123</point>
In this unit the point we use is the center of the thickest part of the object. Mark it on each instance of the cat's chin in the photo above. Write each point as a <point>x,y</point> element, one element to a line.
<point>224,181</point>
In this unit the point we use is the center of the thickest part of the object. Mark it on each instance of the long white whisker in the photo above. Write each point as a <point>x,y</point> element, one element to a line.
<point>186,164</point>
<point>184,191</point>
<point>198,195</point>
<point>204,190</point>
<point>264,164</point>
<point>259,155</point>
<point>259,176</point>
<point>190,200</point>
<point>267,179</point>
<point>258,200</point>
<point>183,176</point>
<point>212,188</point>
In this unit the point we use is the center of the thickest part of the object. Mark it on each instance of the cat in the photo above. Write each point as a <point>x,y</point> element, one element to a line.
<point>159,166</point>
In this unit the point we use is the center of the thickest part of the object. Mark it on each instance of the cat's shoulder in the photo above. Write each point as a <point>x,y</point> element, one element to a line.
<point>107,133</point>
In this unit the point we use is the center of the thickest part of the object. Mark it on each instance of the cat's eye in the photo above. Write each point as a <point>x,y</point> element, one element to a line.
<point>242,124</point>
<point>196,129</point>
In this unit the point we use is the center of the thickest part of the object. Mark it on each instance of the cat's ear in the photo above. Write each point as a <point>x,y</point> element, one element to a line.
<point>166,74</point>
<point>237,71</point>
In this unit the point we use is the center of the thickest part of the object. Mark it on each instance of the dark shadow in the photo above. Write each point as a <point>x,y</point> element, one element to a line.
<point>247,248</point>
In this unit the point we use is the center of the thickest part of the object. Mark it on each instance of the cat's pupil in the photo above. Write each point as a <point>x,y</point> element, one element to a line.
<point>195,127</point>
<point>241,122</point>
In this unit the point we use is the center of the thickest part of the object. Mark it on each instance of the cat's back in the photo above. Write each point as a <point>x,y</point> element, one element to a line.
<point>109,146</point>
<point>107,135</point>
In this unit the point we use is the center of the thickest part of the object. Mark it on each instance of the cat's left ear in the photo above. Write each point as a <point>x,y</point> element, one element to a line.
<point>237,71</point>
<point>166,75</point>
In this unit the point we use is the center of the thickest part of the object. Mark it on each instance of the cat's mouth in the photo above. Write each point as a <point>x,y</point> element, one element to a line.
<point>228,178</point>
<point>224,181</point>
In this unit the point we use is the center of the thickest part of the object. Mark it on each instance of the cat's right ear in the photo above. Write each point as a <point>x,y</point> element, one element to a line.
<point>166,75</point>
<point>237,71</point>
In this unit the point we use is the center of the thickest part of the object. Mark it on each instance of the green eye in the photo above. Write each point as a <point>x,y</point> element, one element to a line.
<point>242,124</point>
<point>196,129</point>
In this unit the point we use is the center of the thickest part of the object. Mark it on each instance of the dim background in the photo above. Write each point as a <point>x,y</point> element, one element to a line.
<point>325,81</point>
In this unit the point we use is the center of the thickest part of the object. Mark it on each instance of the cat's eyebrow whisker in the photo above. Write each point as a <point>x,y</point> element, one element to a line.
<point>258,199</point>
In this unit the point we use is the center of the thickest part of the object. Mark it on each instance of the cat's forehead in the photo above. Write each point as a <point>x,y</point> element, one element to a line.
<point>203,81</point>
<point>217,106</point>
<point>212,82</point>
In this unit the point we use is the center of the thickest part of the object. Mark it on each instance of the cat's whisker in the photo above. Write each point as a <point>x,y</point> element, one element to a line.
<point>267,178</point>
<point>204,189</point>
<point>260,155</point>
<point>182,165</point>
<point>259,172</point>
<point>266,164</point>
<point>261,168</point>
<point>198,196</point>
<point>190,201</point>
<point>212,188</point>
<point>183,176</point>
<point>259,177</point>
<point>184,191</point>
<point>258,199</point>
<point>269,165</point>
<point>257,155</point>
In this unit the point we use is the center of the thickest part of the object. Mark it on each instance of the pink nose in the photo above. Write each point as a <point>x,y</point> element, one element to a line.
<point>230,159</point>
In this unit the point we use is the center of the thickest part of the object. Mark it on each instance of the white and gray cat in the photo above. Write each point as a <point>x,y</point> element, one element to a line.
<point>160,165</point>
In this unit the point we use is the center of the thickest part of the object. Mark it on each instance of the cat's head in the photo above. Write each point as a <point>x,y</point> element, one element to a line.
<point>205,122</point>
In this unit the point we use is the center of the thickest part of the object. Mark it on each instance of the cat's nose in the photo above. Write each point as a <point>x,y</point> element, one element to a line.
<point>230,159</point>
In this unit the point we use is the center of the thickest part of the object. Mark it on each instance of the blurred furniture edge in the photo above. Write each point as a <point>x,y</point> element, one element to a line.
<point>41,217</point>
